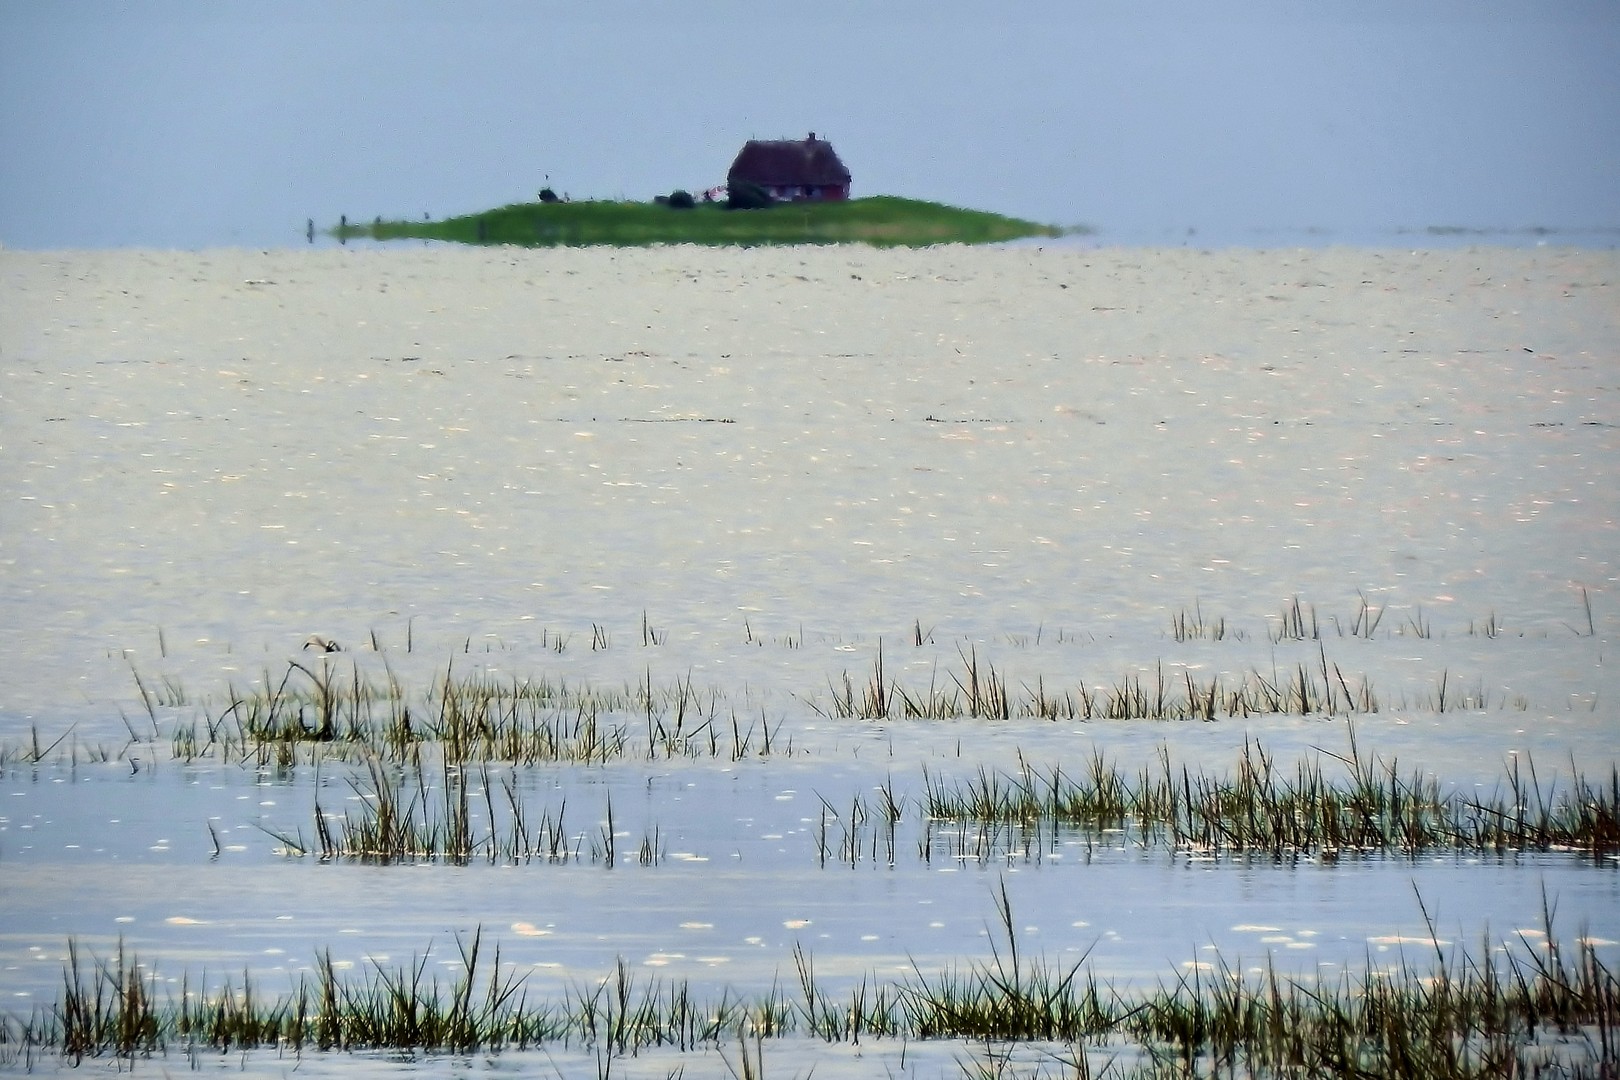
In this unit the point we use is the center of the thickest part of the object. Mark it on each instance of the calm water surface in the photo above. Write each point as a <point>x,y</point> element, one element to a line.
<point>745,472</point>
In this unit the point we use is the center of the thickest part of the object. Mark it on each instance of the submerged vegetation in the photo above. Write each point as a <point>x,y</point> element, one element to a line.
<point>879,220</point>
<point>1540,1008</point>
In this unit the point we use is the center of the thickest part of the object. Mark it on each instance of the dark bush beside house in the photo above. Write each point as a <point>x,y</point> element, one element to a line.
<point>681,199</point>
<point>747,196</point>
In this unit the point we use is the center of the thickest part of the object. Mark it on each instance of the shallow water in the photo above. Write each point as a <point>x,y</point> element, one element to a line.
<point>745,471</point>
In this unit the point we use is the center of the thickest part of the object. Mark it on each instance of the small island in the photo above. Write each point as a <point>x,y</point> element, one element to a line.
<point>880,220</point>
<point>779,191</point>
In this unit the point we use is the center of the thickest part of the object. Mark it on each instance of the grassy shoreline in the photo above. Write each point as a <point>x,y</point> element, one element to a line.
<point>880,220</point>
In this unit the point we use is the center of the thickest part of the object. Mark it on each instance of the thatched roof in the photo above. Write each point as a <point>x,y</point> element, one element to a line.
<point>808,162</point>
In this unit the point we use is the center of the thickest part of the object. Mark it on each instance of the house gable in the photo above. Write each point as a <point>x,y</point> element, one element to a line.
<point>792,169</point>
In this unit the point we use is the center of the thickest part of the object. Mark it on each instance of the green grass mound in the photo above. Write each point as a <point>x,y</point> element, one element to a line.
<point>883,220</point>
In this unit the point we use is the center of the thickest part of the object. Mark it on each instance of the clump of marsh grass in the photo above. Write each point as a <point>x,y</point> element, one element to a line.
<point>318,712</point>
<point>984,696</point>
<point>67,750</point>
<point>469,718</point>
<point>857,841</point>
<point>1417,625</point>
<point>405,1008</point>
<point>1262,809</point>
<point>36,752</point>
<point>980,691</point>
<point>624,1014</point>
<point>1526,1013</point>
<point>454,814</point>
<point>870,1010</point>
<point>112,1009</point>
<point>1298,621</point>
<point>1192,626</point>
<point>1012,997</point>
<point>1529,1013</point>
<point>1258,810</point>
<point>1537,1009</point>
<point>1295,625</point>
<point>875,699</point>
<point>787,641</point>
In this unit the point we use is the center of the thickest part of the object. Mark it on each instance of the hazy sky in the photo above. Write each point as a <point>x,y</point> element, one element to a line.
<point>193,124</point>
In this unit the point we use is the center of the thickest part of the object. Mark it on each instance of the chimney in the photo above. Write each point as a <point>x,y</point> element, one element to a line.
<point>812,137</point>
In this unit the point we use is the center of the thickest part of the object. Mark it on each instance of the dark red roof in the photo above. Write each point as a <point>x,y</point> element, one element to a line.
<point>789,163</point>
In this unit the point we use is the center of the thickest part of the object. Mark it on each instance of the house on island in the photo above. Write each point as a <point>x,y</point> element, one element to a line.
<point>791,170</point>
